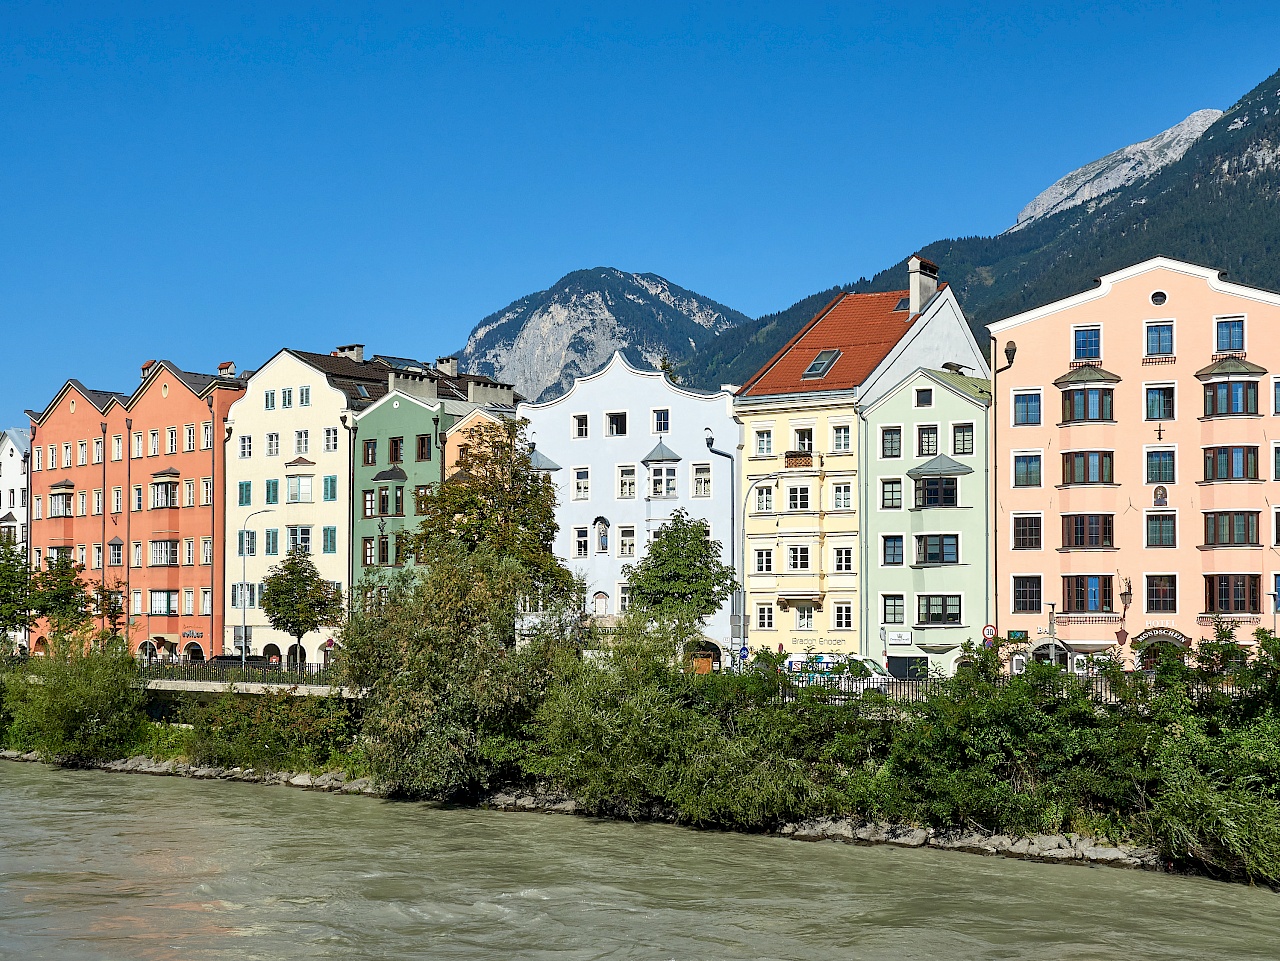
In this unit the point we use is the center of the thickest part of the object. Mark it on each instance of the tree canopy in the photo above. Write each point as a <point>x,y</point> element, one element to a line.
<point>297,600</point>
<point>681,575</point>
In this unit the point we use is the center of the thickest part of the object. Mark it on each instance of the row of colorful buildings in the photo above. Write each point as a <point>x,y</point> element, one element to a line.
<point>881,491</point>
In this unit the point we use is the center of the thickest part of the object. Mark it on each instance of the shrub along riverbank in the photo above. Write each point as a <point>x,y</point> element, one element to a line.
<point>1176,762</point>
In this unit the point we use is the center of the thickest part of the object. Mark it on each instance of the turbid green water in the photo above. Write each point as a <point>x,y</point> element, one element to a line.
<point>102,866</point>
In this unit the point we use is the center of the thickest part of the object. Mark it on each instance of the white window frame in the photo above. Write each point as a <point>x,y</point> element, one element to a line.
<point>1013,395</point>
<point>902,495</point>
<point>1025,452</point>
<point>635,479</point>
<point>1102,345</point>
<point>1043,603</point>
<point>1244,331</point>
<point>901,429</point>
<point>1147,448</point>
<point>1012,532</point>
<point>1161,322</point>
<point>1176,400</point>
<point>848,485</point>
<point>1177,591</point>
<point>880,551</point>
<point>608,424</point>
<point>581,490</point>
<point>845,427</point>
<point>573,426</point>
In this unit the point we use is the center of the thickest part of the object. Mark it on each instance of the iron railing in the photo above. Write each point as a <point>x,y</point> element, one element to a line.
<point>281,675</point>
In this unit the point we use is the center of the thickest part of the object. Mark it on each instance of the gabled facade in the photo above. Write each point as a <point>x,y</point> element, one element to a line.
<point>15,449</point>
<point>1136,432</point>
<point>626,448</point>
<point>801,487</point>
<point>924,535</point>
<point>130,486</point>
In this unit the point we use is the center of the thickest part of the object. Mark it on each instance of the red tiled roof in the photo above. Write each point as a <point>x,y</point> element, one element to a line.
<point>863,327</point>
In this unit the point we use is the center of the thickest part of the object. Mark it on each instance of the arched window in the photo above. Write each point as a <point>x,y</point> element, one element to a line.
<point>600,604</point>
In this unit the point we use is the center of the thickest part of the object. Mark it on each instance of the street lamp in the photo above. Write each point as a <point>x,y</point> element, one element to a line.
<point>740,592</point>
<point>1126,597</point>
<point>244,574</point>
<point>742,550</point>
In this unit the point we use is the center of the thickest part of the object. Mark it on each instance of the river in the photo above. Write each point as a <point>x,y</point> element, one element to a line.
<point>101,866</point>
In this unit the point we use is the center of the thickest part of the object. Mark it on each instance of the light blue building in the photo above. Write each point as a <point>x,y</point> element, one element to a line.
<point>627,448</point>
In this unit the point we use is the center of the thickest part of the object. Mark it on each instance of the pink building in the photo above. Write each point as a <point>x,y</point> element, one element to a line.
<point>1136,435</point>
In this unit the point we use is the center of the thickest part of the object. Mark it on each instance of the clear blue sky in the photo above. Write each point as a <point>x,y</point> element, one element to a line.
<point>213,186</point>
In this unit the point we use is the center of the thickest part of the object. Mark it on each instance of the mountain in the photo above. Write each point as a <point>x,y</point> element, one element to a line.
<point>541,342</point>
<point>1126,166</point>
<point>1218,204</point>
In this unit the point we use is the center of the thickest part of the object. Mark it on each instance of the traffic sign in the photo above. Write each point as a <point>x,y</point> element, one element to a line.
<point>744,653</point>
<point>989,632</point>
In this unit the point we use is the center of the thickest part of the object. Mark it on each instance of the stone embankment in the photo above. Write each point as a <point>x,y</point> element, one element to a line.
<point>333,781</point>
<point>1056,848</point>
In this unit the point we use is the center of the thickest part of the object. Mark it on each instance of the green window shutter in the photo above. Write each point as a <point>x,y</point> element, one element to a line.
<point>330,539</point>
<point>331,487</point>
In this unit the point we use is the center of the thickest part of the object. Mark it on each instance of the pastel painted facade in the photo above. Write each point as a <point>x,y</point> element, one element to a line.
<point>15,448</point>
<point>1136,436</point>
<point>925,535</point>
<point>627,448</point>
<point>802,487</point>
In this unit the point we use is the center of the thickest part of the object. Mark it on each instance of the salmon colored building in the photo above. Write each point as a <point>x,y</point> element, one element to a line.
<point>132,487</point>
<point>1136,472</point>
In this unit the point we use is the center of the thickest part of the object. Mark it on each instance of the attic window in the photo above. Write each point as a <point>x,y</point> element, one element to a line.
<point>903,304</point>
<point>362,390</point>
<point>822,364</point>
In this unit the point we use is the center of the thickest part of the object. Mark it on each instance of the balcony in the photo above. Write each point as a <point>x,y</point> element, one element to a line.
<point>798,458</point>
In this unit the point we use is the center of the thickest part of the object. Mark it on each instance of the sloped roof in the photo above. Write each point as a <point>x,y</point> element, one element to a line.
<point>1088,374</point>
<point>392,473</point>
<point>540,461</point>
<point>940,466</point>
<point>20,436</point>
<point>863,327</point>
<point>1231,365</point>
<point>661,454</point>
<point>975,387</point>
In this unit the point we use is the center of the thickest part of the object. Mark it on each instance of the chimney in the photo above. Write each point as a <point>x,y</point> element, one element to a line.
<point>226,369</point>
<point>924,282</point>
<point>416,385</point>
<point>495,393</point>
<point>352,351</point>
<point>146,368</point>
<point>447,366</point>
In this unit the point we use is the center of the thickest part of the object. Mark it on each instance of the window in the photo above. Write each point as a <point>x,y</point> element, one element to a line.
<point>115,554</point>
<point>842,497</point>
<point>844,560</point>
<point>936,492</point>
<point>299,489</point>
<point>331,487</point>
<point>1159,340</point>
<point>582,484</point>
<point>395,450</point>
<point>206,601</point>
<point>1160,467</point>
<point>97,557</point>
<point>1233,593</point>
<point>302,441</point>
<point>1086,403</point>
<point>1230,463</point>
<point>370,453</point>
<point>798,558</point>
<point>268,400</point>
<point>271,542</point>
<point>66,451</point>
<point>153,449</point>
<point>891,442</point>
<point>764,499</point>
<point>206,550</point>
<point>1026,409</point>
<point>1087,467</point>
<point>273,492</point>
<point>1088,530</point>
<point>798,498</point>
<point>304,396</point>
<point>1231,528</point>
<point>164,494</point>
<point>937,609</point>
<point>1027,532</point>
<point>662,482</point>
<point>117,495</point>
<point>117,449</point>
<point>171,441</point>
<point>206,435</point>
<point>1088,343</point>
<point>616,424</point>
<point>330,439</point>
<point>164,602</point>
<point>136,607</point>
<point>580,541</point>
<point>937,549</point>
<point>82,503</point>
<point>1087,594</point>
<point>1159,403</point>
<point>1230,334</point>
<point>1162,530</point>
<point>300,538</point>
<point>844,616</point>
<point>924,396</point>
<point>804,617</point>
<point>661,420</point>
<point>246,446</point>
<point>188,493</point>
<point>384,501</point>
<point>97,502</point>
<point>891,555</point>
<point>804,440</point>
<point>206,491</point>
<point>246,493</point>
<point>35,458</point>
<point>188,601</point>
<point>399,508</point>
<point>580,428</point>
<point>367,552</point>
<point>701,480</point>
<point>273,445</point>
<point>764,617</point>
<point>1231,397</point>
<point>164,553</point>
<point>424,447</point>
<point>189,438</point>
<point>244,596</point>
<point>137,497</point>
<point>329,540</point>
<point>894,609</point>
<point>962,439</point>
<point>626,542</point>
<point>764,561</point>
<point>1026,594</point>
<point>841,439</point>
<point>1027,470</point>
<point>821,365</point>
<point>926,441</point>
<point>626,482</point>
<point>1162,594</point>
<point>286,397</point>
<point>764,441</point>
<point>97,450</point>
<point>891,495</point>
<point>246,543</point>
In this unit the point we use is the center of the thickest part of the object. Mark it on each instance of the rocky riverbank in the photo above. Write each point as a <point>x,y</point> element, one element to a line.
<point>1053,848</point>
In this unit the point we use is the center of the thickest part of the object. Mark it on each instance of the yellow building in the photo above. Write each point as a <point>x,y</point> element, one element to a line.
<point>800,490</point>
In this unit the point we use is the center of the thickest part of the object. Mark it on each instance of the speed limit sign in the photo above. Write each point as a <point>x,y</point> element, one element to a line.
<point>989,632</point>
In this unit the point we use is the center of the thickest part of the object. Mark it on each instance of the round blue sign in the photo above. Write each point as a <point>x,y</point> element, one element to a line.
<point>744,654</point>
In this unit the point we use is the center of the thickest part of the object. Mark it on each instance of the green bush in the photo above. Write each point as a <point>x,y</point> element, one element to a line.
<point>274,732</point>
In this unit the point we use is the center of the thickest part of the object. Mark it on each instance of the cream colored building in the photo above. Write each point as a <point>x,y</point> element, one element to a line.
<point>801,493</point>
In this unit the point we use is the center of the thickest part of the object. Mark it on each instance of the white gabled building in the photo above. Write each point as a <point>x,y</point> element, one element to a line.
<point>626,448</point>
<point>15,447</point>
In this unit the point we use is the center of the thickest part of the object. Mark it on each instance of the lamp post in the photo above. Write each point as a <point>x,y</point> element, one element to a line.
<point>1275,602</point>
<point>746,497</point>
<point>739,595</point>
<point>244,574</point>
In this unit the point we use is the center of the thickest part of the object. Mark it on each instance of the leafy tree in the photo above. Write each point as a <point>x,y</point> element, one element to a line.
<point>297,600</point>
<point>61,597</point>
<point>15,591</point>
<point>681,574</point>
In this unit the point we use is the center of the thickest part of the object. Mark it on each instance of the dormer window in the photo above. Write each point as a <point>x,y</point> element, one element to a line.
<point>821,365</point>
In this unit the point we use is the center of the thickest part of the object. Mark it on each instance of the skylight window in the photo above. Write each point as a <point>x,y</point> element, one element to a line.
<point>903,304</point>
<point>362,390</point>
<point>822,364</point>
